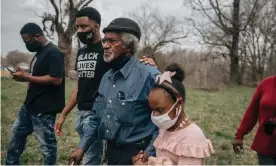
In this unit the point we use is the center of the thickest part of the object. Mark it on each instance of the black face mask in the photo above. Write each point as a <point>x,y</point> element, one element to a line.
<point>33,46</point>
<point>85,37</point>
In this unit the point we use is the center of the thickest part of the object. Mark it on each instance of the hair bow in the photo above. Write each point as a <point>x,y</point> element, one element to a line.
<point>166,76</point>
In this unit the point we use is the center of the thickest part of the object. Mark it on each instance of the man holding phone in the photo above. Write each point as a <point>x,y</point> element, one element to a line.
<point>10,70</point>
<point>15,78</point>
<point>45,97</point>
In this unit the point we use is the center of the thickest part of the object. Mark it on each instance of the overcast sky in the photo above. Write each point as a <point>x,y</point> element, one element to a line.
<point>15,13</point>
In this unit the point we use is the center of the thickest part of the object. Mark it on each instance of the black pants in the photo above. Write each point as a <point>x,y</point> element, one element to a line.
<point>122,154</point>
<point>266,160</point>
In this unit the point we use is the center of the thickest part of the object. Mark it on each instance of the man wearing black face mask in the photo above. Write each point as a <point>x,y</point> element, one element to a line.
<point>90,68</point>
<point>45,97</point>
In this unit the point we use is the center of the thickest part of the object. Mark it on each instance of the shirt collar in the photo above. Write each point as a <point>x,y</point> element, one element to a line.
<point>46,43</point>
<point>126,69</point>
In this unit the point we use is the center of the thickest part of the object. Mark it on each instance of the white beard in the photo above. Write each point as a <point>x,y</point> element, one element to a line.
<point>109,58</point>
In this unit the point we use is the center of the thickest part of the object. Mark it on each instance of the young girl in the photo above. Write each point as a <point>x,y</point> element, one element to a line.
<point>180,141</point>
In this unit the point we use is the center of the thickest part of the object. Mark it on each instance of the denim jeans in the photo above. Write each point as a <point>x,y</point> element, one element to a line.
<point>26,124</point>
<point>266,160</point>
<point>93,155</point>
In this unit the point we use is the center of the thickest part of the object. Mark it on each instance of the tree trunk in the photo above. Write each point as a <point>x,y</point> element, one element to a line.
<point>234,51</point>
<point>234,70</point>
<point>243,65</point>
<point>66,48</point>
<point>254,74</point>
<point>261,74</point>
<point>272,62</point>
<point>204,66</point>
<point>254,70</point>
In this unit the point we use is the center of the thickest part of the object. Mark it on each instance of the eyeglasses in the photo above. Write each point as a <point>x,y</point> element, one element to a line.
<point>110,41</point>
<point>29,40</point>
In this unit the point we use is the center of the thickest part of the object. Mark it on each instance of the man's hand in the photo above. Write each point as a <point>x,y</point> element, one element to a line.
<point>141,158</point>
<point>20,75</point>
<point>58,125</point>
<point>237,146</point>
<point>76,157</point>
<point>139,162</point>
<point>149,61</point>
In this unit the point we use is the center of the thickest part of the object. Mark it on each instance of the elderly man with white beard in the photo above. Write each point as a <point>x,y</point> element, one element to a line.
<point>122,112</point>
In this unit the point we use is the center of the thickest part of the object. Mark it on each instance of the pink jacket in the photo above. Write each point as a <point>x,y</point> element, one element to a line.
<point>188,146</point>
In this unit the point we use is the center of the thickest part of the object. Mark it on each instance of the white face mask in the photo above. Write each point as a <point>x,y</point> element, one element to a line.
<point>164,121</point>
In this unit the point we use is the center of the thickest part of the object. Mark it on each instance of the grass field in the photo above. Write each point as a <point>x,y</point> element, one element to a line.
<point>217,113</point>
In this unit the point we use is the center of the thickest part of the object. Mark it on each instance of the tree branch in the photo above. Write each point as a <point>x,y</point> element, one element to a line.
<point>218,12</point>
<point>60,11</point>
<point>57,25</point>
<point>204,10</point>
<point>78,5</point>
<point>87,3</point>
<point>255,9</point>
<point>82,4</point>
<point>71,4</point>
<point>48,18</point>
<point>56,11</point>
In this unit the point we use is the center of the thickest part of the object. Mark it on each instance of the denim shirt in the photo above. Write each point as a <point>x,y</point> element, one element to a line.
<point>122,112</point>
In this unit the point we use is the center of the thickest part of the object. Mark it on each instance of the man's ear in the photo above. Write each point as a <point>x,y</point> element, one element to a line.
<point>96,28</point>
<point>127,47</point>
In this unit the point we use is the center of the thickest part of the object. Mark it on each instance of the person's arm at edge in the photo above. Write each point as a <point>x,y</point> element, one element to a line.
<point>250,117</point>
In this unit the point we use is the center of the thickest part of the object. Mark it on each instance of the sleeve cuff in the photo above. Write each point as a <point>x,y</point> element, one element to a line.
<point>239,135</point>
<point>56,75</point>
<point>150,151</point>
<point>83,144</point>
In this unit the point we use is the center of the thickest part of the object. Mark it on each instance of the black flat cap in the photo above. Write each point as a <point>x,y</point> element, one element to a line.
<point>124,25</point>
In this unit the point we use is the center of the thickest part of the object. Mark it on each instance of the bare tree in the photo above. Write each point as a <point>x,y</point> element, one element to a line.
<point>268,27</point>
<point>62,21</point>
<point>3,61</point>
<point>224,22</point>
<point>255,41</point>
<point>15,57</point>
<point>158,30</point>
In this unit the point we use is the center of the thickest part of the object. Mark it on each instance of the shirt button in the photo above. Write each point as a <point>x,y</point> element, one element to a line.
<point>114,86</point>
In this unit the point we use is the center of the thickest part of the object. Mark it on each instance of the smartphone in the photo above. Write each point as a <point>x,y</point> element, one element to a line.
<point>10,70</point>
